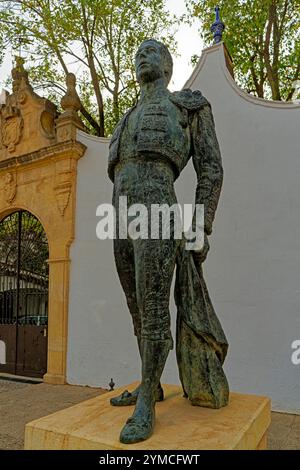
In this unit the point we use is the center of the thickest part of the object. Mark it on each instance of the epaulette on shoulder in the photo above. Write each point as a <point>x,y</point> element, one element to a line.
<point>188,99</point>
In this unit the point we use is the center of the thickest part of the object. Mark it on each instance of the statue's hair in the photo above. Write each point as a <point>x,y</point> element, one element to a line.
<point>167,58</point>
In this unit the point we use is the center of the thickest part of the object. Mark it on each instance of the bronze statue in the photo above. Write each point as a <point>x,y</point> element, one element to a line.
<point>149,148</point>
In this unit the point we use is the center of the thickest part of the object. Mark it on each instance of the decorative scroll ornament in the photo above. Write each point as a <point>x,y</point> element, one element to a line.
<point>10,187</point>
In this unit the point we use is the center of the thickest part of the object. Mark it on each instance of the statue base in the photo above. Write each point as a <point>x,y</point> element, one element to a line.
<point>95,425</point>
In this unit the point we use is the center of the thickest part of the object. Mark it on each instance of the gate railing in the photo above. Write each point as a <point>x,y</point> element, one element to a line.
<point>23,289</point>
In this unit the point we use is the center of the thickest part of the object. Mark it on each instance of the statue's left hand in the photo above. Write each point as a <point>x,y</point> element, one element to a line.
<point>200,256</point>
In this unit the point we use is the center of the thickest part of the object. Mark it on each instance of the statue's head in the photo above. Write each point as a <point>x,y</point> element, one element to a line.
<point>152,61</point>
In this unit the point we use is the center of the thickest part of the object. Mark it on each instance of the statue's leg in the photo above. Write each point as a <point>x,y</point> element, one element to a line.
<point>154,268</point>
<point>124,258</point>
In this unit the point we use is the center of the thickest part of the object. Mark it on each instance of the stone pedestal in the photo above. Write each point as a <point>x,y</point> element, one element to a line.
<point>94,424</point>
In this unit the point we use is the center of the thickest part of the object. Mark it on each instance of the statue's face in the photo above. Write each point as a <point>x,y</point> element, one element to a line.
<point>149,64</point>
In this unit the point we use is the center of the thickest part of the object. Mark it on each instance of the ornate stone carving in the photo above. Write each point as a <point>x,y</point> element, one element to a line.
<point>19,74</point>
<point>62,194</point>
<point>12,126</point>
<point>63,133</point>
<point>71,102</point>
<point>27,121</point>
<point>63,185</point>
<point>69,121</point>
<point>10,187</point>
<point>47,124</point>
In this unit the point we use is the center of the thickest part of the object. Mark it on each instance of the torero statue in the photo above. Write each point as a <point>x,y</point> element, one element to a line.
<point>148,150</point>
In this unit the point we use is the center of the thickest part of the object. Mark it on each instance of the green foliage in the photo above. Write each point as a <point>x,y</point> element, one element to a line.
<point>263,39</point>
<point>95,39</point>
<point>33,244</point>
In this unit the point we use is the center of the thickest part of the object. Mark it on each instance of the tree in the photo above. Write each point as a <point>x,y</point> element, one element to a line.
<point>95,38</point>
<point>263,39</point>
<point>34,245</point>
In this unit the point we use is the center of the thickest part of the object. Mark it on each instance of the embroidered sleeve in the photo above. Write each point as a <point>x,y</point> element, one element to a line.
<point>207,163</point>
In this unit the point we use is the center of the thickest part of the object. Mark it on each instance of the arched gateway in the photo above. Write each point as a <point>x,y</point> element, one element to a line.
<point>24,276</point>
<point>38,167</point>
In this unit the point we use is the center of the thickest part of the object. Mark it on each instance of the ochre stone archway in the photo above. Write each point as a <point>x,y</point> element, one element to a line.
<point>38,164</point>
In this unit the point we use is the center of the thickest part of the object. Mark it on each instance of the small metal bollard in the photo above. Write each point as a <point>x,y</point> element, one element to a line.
<point>111,385</point>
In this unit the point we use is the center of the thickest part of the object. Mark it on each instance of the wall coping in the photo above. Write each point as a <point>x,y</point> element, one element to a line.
<point>220,49</point>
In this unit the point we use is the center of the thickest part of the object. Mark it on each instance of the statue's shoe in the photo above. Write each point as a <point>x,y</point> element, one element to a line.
<point>137,429</point>
<point>127,398</point>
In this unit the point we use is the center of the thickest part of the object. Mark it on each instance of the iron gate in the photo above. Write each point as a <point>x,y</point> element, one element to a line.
<point>23,294</point>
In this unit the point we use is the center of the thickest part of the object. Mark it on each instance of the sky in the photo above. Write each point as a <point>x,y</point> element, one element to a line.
<point>188,39</point>
<point>189,43</point>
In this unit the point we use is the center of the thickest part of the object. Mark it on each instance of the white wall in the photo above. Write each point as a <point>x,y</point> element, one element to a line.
<point>254,265</point>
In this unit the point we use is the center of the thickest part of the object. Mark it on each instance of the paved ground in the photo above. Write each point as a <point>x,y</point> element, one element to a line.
<point>284,432</point>
<point>21,403</point>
